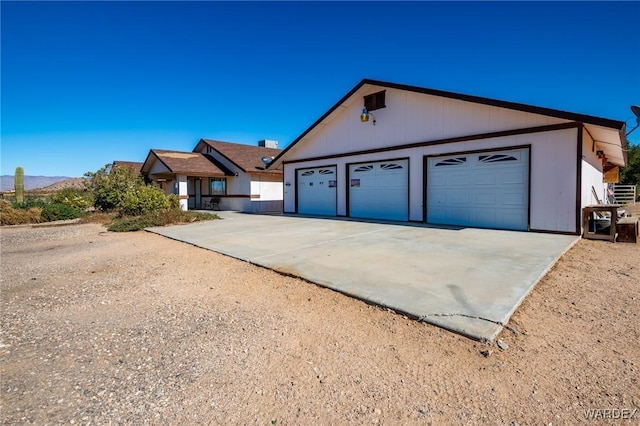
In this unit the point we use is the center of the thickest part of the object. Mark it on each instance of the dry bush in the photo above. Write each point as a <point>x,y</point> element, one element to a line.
<point>11,216</point>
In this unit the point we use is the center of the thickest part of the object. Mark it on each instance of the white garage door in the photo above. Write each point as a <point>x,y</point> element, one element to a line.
<point>379,190</point>
<point>316,191</point>
<point>488,190</point>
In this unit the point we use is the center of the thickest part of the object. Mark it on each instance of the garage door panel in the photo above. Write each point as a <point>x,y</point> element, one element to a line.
<point>485,198</point>
<point>486,178</point>
<point>458,180</point>
<point>484,190</point>
<point>458,198</point>
<point>316,191</point>
<point>513,178</point>
<point>379,190</point>
<point>514,199</point>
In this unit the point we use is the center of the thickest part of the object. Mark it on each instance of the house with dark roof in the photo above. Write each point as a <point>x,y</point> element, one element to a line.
<point>219,176</point>
<point>405,153</point>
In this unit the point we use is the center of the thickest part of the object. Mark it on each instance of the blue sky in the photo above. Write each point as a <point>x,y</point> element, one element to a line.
<point>86,83</point>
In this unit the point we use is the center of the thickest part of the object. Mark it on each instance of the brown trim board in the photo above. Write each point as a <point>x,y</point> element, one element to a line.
<point>504,133</point>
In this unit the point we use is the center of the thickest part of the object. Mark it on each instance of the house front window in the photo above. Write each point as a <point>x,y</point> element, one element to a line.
<point>218,186</point>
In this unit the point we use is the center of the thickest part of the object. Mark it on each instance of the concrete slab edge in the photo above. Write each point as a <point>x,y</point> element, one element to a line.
<point>535,283</point>
<point>419,318</point>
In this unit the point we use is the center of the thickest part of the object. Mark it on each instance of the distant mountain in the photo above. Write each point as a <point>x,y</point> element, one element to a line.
<point>30,182</point>
<point>77,183</point>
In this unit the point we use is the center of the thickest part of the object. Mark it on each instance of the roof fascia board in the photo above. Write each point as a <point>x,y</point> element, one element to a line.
<point>160,160</point>
<point>500,134</point>
<point>218,164</point>
<point>318,121</point>
<point>583,118</point>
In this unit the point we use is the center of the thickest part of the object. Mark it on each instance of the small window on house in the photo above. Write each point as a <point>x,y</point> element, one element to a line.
<point>218,186</point>
<point>307,173</point>
<point>325,172</point>
<point>374,101</point>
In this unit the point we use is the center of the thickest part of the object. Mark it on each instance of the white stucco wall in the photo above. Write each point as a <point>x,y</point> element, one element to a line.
<point>591,173</point>
<point>181,181</point>
<point>266,190</point>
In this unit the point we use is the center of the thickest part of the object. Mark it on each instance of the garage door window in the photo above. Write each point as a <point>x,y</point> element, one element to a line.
<point>391,166</point>
<point>451,162</point>
<point>497,158</point>
<point>363,169</point>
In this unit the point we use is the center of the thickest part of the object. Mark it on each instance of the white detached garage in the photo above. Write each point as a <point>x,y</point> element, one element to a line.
<point>422,155</point>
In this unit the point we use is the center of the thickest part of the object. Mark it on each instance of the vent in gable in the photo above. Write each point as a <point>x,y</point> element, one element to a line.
<point>375,101</point>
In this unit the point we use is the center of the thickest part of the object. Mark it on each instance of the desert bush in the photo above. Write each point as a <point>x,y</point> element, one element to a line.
<point>53,212</point>
<point>103,218</point>
<point>73,197</point>
<point>123,190</point>
<point>135,223</point>
<point>143,200</point>
<point>11,216</point>
<point>110,185</point>
<point>168,217</point>
<point>31,202</point>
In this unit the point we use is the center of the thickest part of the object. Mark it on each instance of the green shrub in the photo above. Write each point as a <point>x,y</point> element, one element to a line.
<point>11,216</point>
<point>143,200</point>
<point>109,186</point>
<point>53,212</point>
<point>73,197</point>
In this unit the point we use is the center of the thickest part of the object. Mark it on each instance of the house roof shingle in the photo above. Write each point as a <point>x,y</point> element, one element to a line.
<point>191,163</point>
<point>246,157</point>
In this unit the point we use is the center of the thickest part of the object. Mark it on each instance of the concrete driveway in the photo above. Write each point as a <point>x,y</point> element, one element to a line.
<point>466,280</point>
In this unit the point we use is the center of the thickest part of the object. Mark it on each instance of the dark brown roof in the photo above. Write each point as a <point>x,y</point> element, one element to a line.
<point>132,164</point>
<point>246,157</point>
<point>191,163</point>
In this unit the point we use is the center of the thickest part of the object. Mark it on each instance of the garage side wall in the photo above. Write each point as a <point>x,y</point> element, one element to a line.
<point>554,171</point>
<point>591,173</point>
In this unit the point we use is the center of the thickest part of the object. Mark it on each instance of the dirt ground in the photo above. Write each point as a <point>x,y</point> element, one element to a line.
<point>106,328</point>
